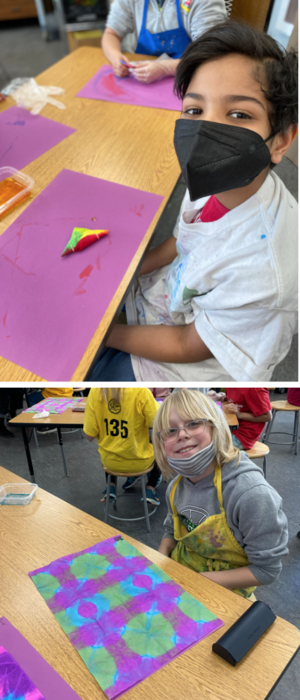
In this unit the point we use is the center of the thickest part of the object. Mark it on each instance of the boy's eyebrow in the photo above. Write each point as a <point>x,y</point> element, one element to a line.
<point>236,98</point>
<point>229,98</point>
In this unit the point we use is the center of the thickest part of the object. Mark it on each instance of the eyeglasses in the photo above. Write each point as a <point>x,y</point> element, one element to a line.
<point>194,426</point>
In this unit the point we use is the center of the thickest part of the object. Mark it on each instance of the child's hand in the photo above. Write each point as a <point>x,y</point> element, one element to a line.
<point>150,71</point>
<point>212,395</point>
<point>233,408</point>
<point>119,70</point>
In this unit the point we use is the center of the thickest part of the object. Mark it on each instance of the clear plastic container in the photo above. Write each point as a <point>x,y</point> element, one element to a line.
<point>17,494</point>
<point>14,187</point>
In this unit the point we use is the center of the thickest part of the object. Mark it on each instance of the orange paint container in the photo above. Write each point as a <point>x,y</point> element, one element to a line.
<point>14,187</point>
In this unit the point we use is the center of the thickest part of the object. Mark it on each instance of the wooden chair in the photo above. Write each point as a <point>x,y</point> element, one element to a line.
<point>142,474</point>
<point>288,408</point>
<point>259,450</point>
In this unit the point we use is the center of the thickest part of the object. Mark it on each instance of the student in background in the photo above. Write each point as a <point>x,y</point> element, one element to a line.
<point>11,399</point>
<point>217,301</point>
<point>253,410</point>
<point>224,520</point>
<point>293,396</point>
<point>120,420</point>
<point>156,28</point>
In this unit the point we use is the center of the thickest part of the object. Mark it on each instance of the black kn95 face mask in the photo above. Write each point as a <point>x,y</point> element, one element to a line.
<point>218,157</point>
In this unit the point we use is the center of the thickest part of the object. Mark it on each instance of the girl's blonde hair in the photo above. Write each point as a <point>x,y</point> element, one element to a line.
<point>191,404</point>
<point>116,393</point>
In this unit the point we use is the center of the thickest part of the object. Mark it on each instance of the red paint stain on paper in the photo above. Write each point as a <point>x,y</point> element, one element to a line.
<point>20,269</point>
<point>137,209</point>
<point>80,289</point>
<point>4,318</point>
<point>86,272</point>
<point>108,84</point>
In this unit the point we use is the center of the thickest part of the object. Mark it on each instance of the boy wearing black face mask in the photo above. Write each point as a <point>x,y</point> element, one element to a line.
<point>223,303</point>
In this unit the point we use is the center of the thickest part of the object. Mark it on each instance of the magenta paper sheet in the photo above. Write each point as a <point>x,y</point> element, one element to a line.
<point>104,85</point>
<point>50,306</point>
<point>53,405</point>
<point>51,686</point>
<point>123,614</point>
<point>24,136</point>
<point>14,682</point>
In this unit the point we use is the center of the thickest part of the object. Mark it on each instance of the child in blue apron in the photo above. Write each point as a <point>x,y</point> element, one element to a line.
<point>224,520</point>
<point>156,27</point>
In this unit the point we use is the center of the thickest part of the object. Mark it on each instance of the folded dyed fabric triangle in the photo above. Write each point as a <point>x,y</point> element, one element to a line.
<point>81,238</point>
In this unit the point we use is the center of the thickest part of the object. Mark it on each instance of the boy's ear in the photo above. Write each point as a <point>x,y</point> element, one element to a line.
<point>282,142</point>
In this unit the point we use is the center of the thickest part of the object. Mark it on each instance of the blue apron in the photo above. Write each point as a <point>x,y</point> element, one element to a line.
<point>173,42</point>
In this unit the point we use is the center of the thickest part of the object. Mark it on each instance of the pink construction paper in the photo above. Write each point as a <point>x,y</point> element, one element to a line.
<point>104,85</point>
<point>49,683</point>
<point>24,136</point>
<point>50,306</point>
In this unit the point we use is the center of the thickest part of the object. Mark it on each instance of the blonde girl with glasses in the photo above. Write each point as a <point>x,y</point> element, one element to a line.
<point>224,520</point>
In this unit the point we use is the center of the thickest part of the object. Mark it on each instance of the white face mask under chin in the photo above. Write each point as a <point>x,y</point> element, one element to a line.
<point>194,465</point>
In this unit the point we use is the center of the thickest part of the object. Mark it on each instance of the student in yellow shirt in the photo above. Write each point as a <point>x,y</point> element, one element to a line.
<point>120,420</point>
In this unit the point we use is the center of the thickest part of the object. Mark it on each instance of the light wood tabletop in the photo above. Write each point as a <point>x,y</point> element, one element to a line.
<point>32,536</point>
<point>231,418</point>
<point>66,419</point>
<point>125,144</point>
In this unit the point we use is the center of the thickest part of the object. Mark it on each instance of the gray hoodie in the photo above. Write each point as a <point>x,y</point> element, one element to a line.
<point>253,510</point>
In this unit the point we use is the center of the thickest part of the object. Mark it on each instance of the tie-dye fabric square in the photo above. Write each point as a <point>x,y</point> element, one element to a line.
<point>14,683</point>
<point>123,614</point>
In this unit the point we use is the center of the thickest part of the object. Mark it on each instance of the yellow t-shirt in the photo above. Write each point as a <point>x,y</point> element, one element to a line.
<point>61,393</point>
<point>122,429</point>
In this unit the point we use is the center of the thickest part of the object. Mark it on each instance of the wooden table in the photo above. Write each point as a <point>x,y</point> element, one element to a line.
<point>32,536</point>
<point>67,419</point>
<point>126,144</point>
<point>231,418</point>
<point>70,419</point>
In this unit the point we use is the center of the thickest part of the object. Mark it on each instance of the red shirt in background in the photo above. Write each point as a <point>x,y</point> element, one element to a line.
<point>293,397</point>
<point>254,401</point>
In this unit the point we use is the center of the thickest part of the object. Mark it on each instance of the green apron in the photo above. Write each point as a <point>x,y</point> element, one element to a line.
<point>211,546</point>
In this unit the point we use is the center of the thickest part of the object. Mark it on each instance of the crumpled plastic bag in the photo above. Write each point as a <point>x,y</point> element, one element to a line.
<point>27,93</point>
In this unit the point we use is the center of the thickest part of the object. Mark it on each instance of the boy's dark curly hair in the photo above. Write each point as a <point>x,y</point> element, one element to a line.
<point>276,71</point>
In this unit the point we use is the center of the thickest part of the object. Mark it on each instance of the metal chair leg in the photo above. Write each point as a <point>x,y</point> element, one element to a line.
<point>296,431</point>
<point>35,437</point>
<point>107,497</point>
<point>270,426</point>
<point>62,450</point>
<point>143,480</point>
<point>115,501</point>
<point>265,467</point>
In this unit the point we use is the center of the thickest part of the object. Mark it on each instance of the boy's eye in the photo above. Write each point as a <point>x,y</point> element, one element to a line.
<point>193,111</point>
<point>239,115</point>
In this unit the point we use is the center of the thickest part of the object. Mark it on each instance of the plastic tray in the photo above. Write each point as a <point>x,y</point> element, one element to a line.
<point>20,177</point>
<point>17,494</point>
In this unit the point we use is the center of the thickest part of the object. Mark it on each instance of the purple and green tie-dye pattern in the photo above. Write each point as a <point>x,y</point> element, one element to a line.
<point>14,683</point>
<point>123,614</point>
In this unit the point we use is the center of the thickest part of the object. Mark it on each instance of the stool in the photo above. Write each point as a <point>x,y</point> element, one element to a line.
<point>259,450</point>
<point>287,407</point>
<point>143,483</point>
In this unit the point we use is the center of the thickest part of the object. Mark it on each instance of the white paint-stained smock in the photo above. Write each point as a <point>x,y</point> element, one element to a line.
<point>236,278</point>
